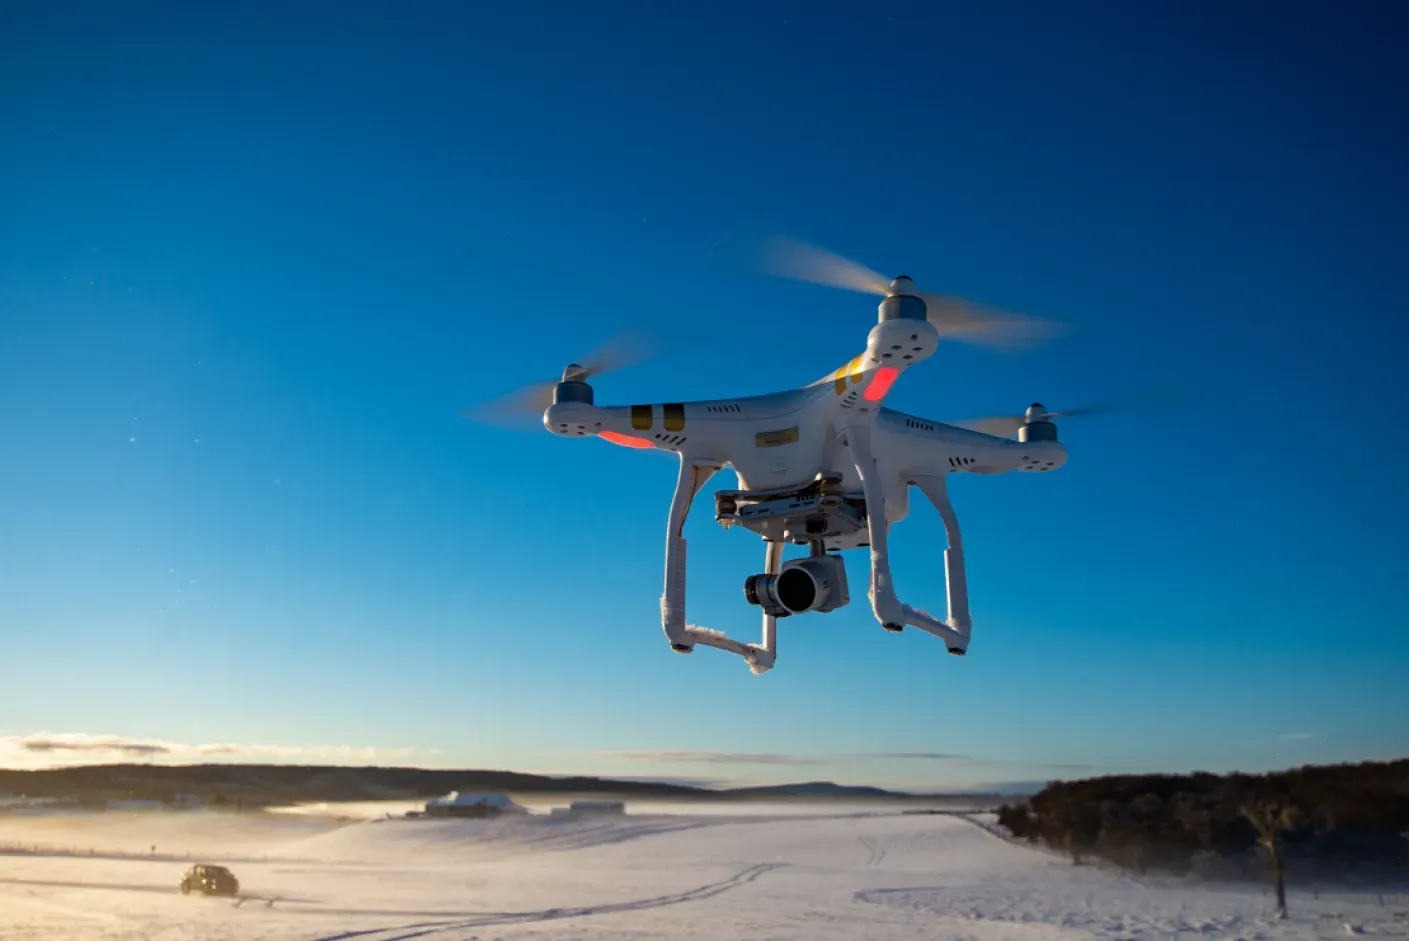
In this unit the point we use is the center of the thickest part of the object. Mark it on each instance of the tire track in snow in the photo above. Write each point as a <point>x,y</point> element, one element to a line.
<point>492,919</point>
<point>267,900</point>
<point>876,851</point>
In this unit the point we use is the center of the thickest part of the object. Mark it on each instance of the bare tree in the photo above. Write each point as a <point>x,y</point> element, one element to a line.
<point>1272,818</point>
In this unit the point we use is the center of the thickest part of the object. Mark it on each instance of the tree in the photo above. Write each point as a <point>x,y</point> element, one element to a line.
<point>1081,826</point>
<point>1018,822</point>
<point>1194,818</point>
<point>1273,818</point>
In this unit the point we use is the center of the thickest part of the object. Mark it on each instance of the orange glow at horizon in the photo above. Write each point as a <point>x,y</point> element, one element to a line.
<point>626,441</point>
<point>880,383</point>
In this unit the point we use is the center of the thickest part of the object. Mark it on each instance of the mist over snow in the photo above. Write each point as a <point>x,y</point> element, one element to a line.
<point>837,875</point>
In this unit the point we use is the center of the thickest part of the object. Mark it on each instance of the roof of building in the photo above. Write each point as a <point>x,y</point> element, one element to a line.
<point>461,799</point>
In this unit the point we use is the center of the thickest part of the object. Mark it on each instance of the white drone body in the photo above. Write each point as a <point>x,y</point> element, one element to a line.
<point>825,466</point>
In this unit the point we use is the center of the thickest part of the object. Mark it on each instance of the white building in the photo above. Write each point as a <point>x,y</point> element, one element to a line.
<point>460,804</point>
<point>591,809</point>
<point>598,807</point>
<point>21,802</point>
<point>136,805</point>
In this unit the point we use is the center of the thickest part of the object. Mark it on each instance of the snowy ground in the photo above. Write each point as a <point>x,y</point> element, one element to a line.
<point>642,876</point>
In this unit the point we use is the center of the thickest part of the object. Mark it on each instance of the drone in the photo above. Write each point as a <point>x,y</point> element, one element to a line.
<point>826,466</point>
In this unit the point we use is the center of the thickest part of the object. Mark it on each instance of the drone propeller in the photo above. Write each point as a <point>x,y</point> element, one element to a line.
<point>952,316</point>
<point>525,406</point>
<point>1006,426</point>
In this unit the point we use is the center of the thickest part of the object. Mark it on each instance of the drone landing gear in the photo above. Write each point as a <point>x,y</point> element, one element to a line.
<point>957,586</point>
<point>684,636</point>
<point>889,610</point>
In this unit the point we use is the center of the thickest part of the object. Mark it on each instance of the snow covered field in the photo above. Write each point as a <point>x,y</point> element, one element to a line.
<point>708,876</point>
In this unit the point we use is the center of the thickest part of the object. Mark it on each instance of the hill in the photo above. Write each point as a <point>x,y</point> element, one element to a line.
<point>259,785</point>
<point>263,785</point>
<point>818,789</point>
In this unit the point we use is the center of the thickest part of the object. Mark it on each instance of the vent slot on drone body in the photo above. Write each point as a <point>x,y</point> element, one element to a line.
<point>923,426</point>
<point>730,407</point>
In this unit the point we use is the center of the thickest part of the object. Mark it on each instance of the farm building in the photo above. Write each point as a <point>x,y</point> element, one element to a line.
<point>459,804</point>
<point>136,805</point>
<point>598,807</point>
<point>590,808</point>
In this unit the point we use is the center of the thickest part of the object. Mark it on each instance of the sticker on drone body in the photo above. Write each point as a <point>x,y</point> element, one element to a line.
<point>773,439</point>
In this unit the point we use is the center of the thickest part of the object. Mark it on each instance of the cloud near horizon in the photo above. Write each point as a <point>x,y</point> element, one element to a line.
<point>48,749</point>
<point>85,744</point>
<point>666,756</point>
<point>710,757</point>
<point>57,749</point>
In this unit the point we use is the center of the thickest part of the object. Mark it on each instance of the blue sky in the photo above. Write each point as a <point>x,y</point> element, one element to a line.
<point>252,267</point>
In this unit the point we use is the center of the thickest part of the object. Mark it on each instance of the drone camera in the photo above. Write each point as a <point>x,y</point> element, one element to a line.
<point>815,584</point>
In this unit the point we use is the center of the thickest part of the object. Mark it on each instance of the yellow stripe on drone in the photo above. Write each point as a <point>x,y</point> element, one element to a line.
<point>773,439</point>
<point>853,370</point>
<point>641,418</point>
<point>674,417</point>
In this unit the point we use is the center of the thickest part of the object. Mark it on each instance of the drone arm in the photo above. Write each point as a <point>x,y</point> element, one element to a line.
<point>888,609</point>
<point>937,490</point>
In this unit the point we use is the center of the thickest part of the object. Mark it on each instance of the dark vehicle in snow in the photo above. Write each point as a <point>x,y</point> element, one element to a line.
<point>209,880</point>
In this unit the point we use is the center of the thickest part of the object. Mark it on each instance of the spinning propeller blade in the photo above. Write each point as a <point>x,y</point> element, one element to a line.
<point>1006,426</point>
<point>953,317</point>
<point>524,407</point>
<point>976,323</point>
<point>999,426</point>
<point>622,350</point>
<point>789,258</point>
<point>520,408</point>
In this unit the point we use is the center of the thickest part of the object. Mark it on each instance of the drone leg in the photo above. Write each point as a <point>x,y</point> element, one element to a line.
<point>765,658</point>
<point>760,657</point>
<point>886,606</point>
<point>672,604</point>
<point>888,609</point>
<point>937,490</point>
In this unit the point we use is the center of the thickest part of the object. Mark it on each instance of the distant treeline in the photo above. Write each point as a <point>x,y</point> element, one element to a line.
<point>1330,817</point>
<point>262,785</point>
